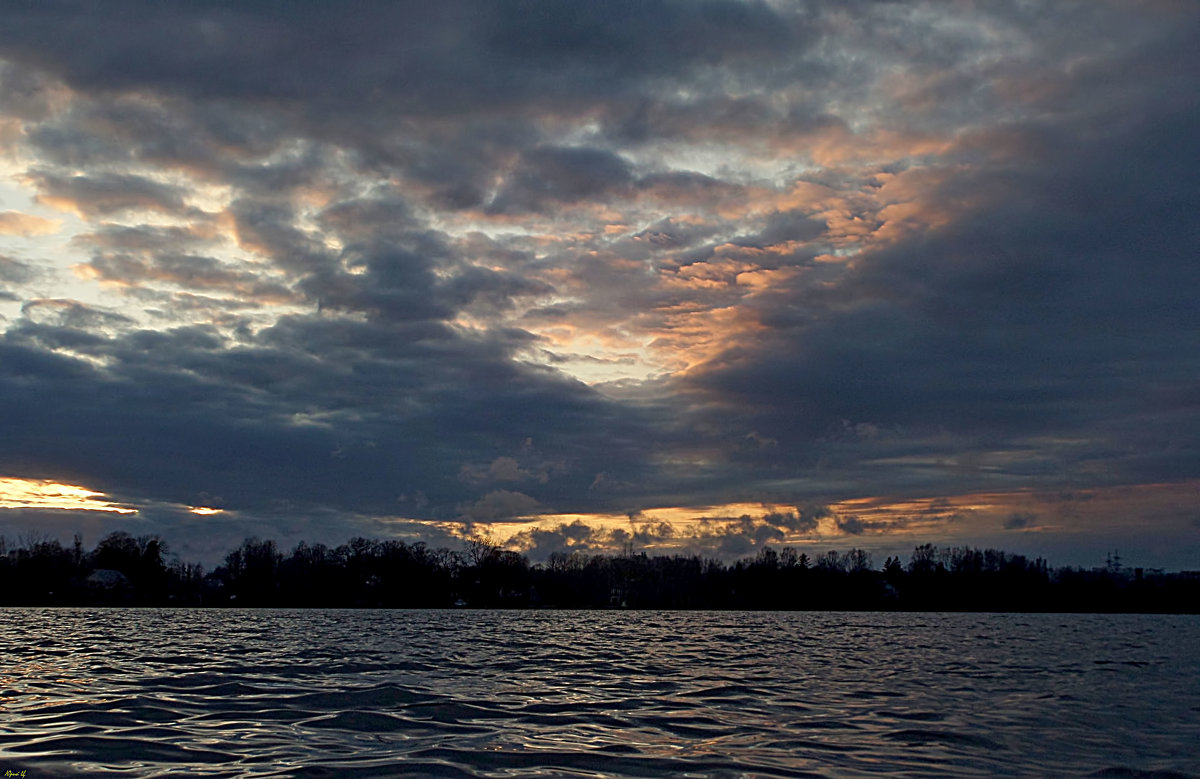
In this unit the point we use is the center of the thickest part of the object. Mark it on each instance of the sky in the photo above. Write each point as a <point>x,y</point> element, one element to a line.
<point>675,277</point>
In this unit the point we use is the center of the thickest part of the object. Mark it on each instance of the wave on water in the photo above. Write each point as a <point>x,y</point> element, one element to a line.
<point>646,694</point>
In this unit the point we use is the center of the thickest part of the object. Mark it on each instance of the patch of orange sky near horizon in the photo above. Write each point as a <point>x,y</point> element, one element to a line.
<point>907,516</point>
<point>49,494</point>
<point>931,518</point>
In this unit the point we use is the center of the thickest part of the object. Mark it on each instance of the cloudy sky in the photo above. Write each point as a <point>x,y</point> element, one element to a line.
<point>698,275</point>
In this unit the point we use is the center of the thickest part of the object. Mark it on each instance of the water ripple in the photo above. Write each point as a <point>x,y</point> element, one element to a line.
<point>647,694</point>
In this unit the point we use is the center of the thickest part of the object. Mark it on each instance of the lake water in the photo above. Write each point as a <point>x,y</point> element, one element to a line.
<point>543,693</point>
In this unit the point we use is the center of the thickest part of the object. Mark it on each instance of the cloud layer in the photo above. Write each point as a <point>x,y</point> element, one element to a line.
<point>426,268</point>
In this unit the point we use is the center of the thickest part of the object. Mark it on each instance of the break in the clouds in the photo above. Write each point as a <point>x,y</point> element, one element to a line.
<point>704,275</point>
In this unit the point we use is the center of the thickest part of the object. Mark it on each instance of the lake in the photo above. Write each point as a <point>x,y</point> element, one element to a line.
<point>596,693</point>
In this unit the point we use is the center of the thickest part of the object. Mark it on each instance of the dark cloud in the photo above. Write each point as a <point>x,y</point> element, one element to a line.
<point>143,238</point>
<point>540,543</point>
<point>803,521</point>
<point>545,177</point>
<point>269,227</point>
<point>308,406</point>
<point>15,271</point>
<point>104,194</point>
<point>1019,521</point>
<point>452,58</point>
<point>360,219</point>
<point>333,257</point>
<point>730,538</point>
<point>499,505</point>
<point>1039,308</point>
<point>851,525</point>
<point>71,315</point>
<point>26,92</point>
<point>210,138</point>
<point>193,272</point>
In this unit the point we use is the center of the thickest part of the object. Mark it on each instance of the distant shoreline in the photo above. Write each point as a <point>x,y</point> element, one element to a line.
<point>124,571</point>
<point>567,609</point>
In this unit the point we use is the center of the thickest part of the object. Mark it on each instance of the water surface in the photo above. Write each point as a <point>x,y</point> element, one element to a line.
<point>598,693</point>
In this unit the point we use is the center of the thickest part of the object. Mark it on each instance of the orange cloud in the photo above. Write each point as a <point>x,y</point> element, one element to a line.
<point>942,520</point>
<point>27,225</point>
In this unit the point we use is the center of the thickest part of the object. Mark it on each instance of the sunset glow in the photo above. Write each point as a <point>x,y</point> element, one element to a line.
<point>720,275</point>
<point>46,494</point>
<point>662,387</point>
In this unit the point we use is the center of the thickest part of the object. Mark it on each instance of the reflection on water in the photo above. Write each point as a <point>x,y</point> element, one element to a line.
<point>535,693</point>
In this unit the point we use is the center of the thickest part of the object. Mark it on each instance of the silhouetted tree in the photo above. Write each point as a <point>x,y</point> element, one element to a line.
<point>141,561</point>
<point>856,561</point>
<point>831,562</point>
<point>251,572</point>
<point>371,573</point>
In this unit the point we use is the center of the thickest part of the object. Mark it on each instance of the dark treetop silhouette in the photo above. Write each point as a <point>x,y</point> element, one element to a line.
<point>124,570</point>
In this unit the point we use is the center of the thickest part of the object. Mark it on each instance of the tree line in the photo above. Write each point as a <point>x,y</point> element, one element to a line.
<point>140,571</point>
